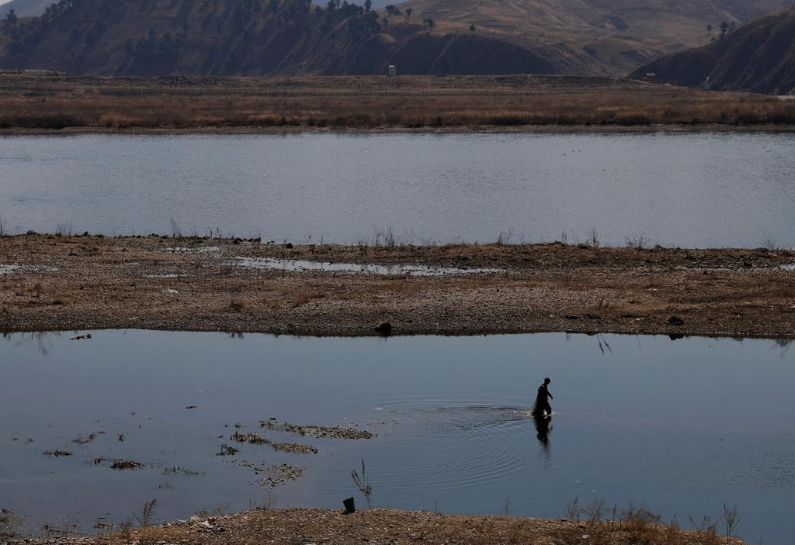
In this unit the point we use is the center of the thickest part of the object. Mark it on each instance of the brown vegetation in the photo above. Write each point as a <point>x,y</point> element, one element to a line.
<point>370,103</point>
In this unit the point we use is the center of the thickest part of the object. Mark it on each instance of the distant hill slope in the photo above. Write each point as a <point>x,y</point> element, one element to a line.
<point>600,36</point>
<point>260,37</point>
<point>246,37</point>
<point>25,8</point>
<point>757,57</point>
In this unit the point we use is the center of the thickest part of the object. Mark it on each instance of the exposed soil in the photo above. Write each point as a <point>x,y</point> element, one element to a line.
<point>372,526</point>
<point>73,283</point>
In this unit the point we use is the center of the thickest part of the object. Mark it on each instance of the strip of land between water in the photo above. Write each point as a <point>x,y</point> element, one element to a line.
<point>77,283</point>
<point>181,104</point>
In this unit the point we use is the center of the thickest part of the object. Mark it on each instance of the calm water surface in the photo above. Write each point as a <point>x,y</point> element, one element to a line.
<point>683,426</point>
<point>690,189</point>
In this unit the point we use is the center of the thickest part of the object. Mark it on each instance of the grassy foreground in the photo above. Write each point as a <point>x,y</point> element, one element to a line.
<point>520,102</point>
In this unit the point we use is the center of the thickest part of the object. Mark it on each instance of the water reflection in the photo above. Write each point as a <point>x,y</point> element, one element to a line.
<point>543,427</point>
<point>41,339</point>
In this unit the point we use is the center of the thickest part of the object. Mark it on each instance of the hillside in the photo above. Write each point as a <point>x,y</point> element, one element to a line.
<point>598,36</point>
<point>757,57</point>
<point>234,37</point>
<point>288,37</point>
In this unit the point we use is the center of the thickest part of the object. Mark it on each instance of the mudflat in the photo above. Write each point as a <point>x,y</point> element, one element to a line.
<point>75,283</point>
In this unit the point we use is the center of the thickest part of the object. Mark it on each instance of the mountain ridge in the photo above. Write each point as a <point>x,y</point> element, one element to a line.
<point>757,57</point>
<point>295,37</point>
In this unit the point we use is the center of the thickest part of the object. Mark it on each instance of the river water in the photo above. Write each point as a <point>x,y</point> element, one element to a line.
<point>675,189</point>
<point>681,426</point>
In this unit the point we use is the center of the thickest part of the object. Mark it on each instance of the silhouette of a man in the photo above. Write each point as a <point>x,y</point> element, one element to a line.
<point>542,406</point>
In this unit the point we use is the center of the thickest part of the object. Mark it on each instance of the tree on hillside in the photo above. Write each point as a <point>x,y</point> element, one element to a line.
<point>428,22</point>
<point>709,28</point>
<point>724,27</point>
<point>472,28</point>
<point>390,9</point>
<point>11,17</point>
<point>408,13</point>
<point>368,4</point>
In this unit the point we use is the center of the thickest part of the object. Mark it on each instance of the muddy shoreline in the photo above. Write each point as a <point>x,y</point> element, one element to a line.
<point>291,526</point>
<point>79,283</point>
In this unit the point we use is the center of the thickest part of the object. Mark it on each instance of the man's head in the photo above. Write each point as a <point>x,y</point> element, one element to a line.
<point>547,380</point>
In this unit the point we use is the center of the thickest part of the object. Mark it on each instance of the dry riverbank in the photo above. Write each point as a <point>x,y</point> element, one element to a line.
<point>404,103</point>
<point>72,283</point>
<point>390,526</point>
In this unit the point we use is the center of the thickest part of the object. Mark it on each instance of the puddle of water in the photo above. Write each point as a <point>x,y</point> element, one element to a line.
<point>649,420</point>
<point>9,269</point>
<point>301,265</point>
<point>788,267</point>
<point>199,250</point>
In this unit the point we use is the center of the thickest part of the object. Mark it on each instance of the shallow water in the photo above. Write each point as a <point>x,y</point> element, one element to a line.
<point>689,189</point>
<point>265,263</point>
<point>682,426</point>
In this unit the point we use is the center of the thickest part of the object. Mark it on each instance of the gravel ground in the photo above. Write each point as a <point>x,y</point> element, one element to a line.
<point>77,283</point>
<point>394,527</point>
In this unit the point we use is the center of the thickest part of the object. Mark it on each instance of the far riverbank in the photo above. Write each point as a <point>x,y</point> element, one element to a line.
<point>375,103</point>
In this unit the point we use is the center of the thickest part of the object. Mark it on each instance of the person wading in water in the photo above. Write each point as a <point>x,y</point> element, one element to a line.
<point>541,407</point>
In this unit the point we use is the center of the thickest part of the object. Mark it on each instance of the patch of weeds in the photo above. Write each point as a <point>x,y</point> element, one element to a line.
<point>57,453</point>
<point>294,448</point>
<point>64,230</point>
<point>226,450</point>
<point>504,237</point>
<point>252,438</point>
<point>731,519</point>
<point>125,531</point>
<point>147,512</point>
<point>363,484</point>
<point>117,463</point>
<point>85,440</point>
<point>9,525</point>
<point>320,432</point>
<point>637,241</point>
<point>593,238</point>
<point>176,230</point>
<point>281,474</point>
<point>176,470</point>
<point>302,299</point>
<point>126,464</point>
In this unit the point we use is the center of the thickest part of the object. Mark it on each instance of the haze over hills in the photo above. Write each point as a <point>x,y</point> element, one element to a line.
<point>25,8</point>
<point>260,37</point>
<point>757,57</point>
